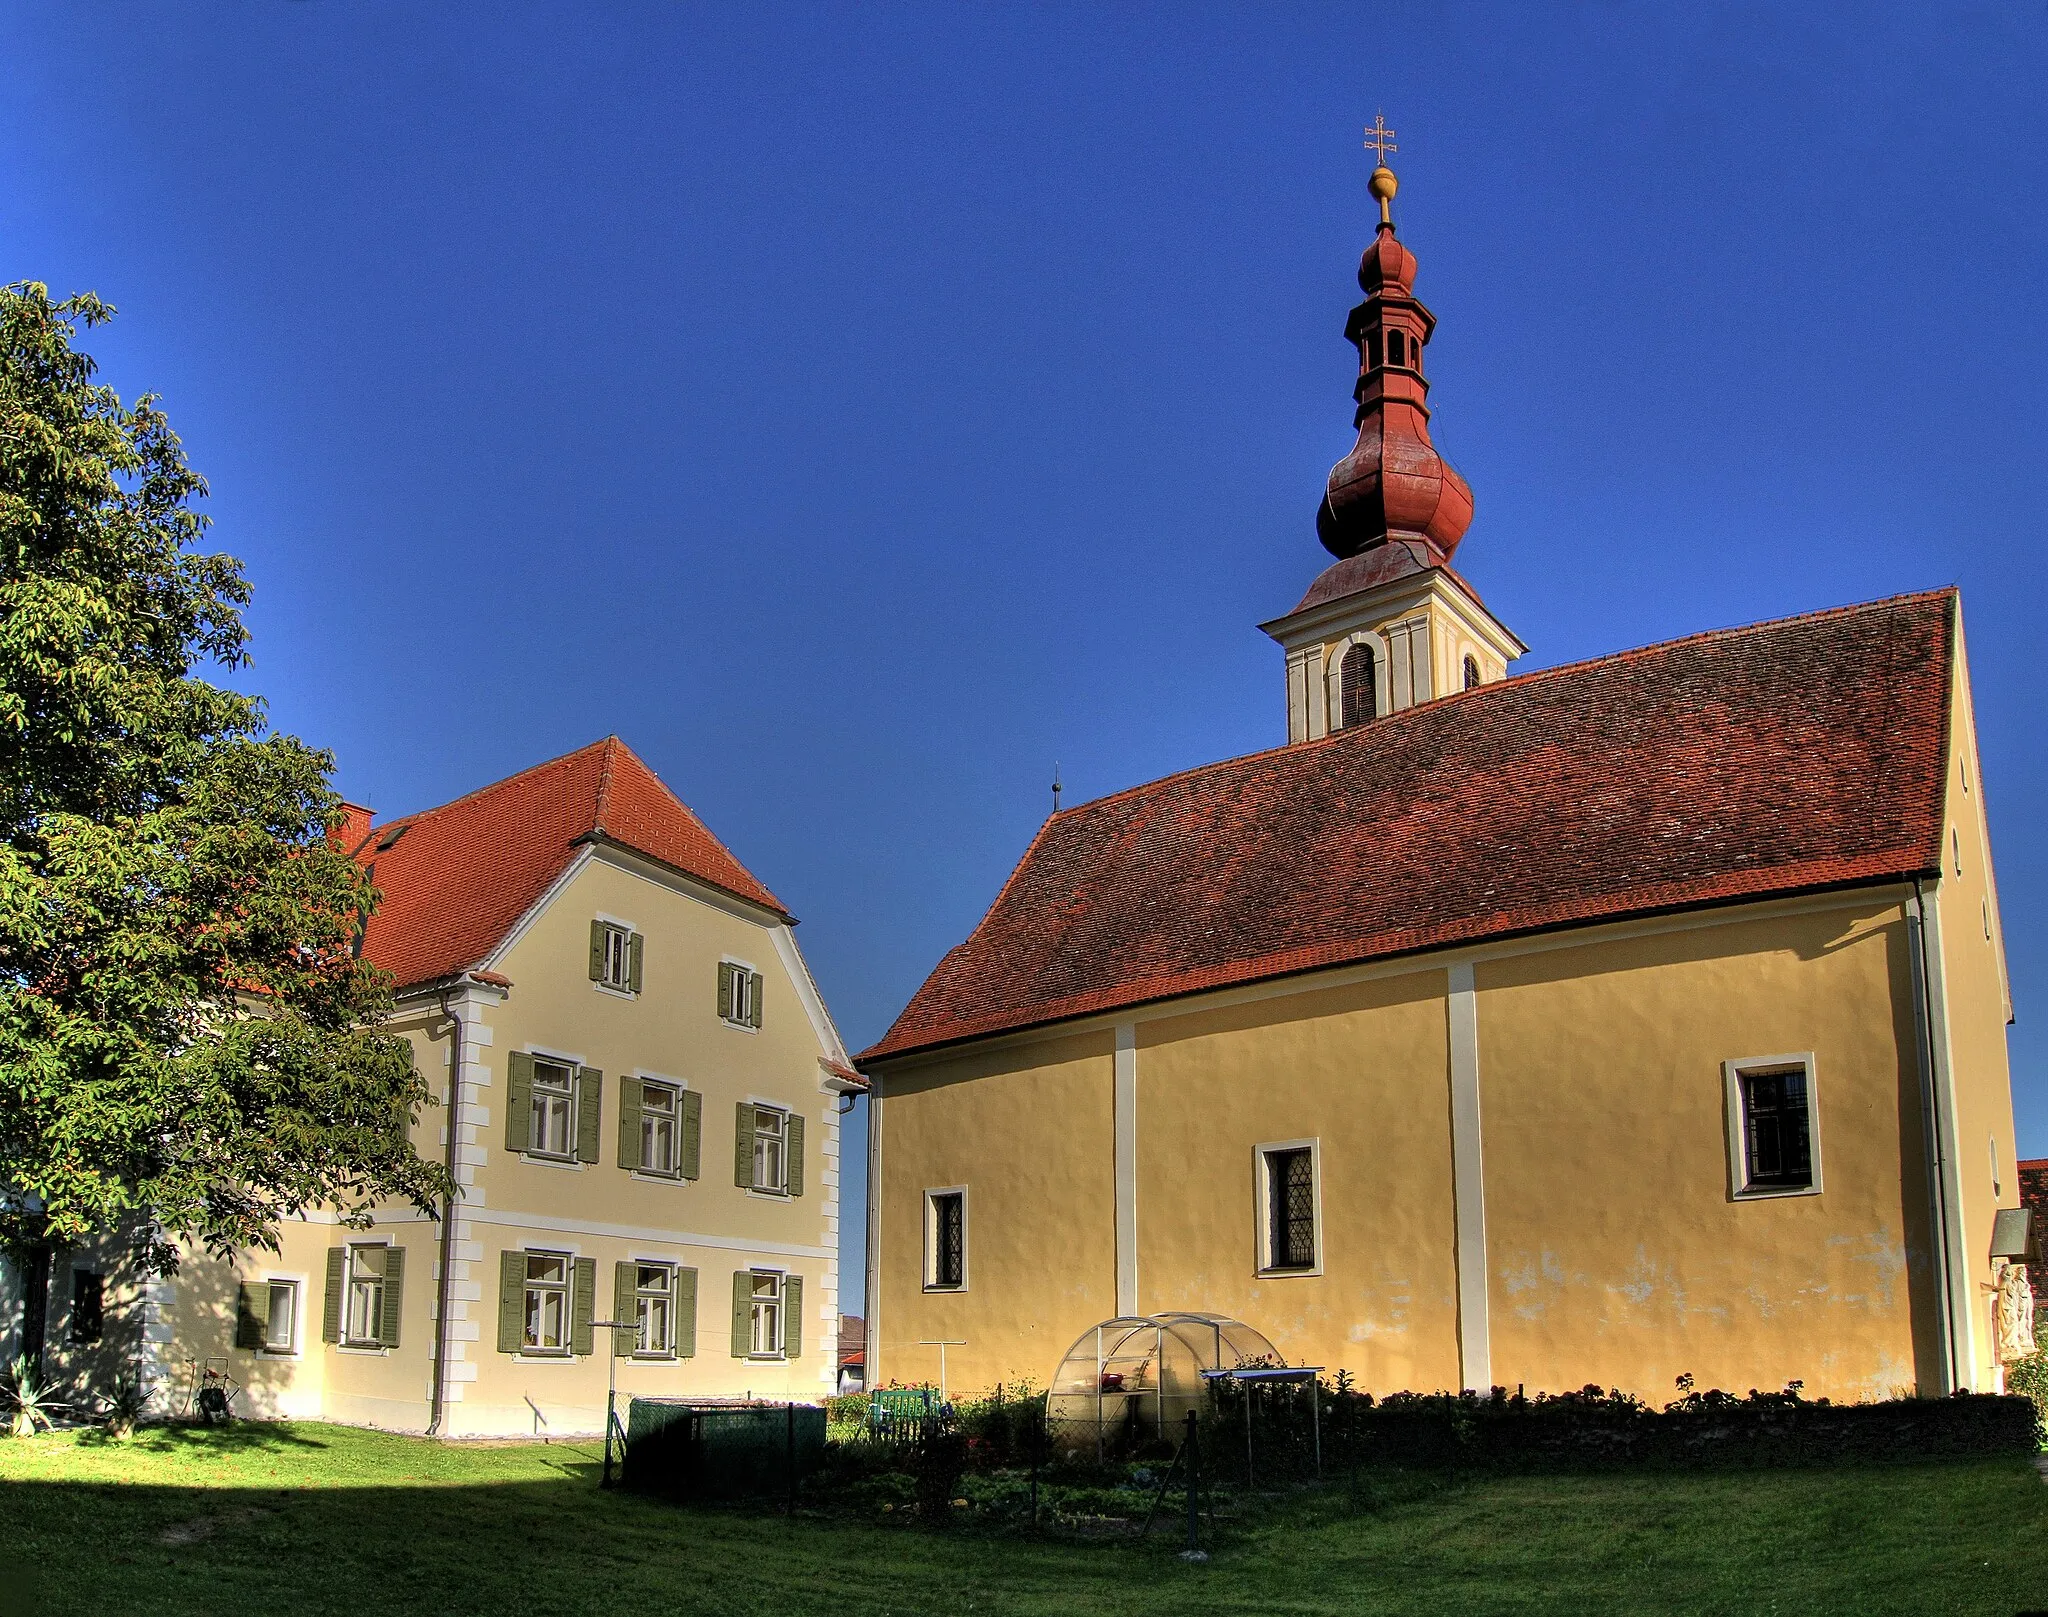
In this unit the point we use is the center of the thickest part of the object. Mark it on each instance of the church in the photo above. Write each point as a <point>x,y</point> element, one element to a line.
<point>1607,1023</point>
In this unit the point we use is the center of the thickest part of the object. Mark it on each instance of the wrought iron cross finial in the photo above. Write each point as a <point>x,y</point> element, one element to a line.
<point>1380,138</point>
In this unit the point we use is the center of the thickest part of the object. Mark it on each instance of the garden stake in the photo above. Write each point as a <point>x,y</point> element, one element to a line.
<point>1193,1450</point>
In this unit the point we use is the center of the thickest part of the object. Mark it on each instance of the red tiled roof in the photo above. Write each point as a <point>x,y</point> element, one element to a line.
<point>1739,764</point>
<point>458,877</point>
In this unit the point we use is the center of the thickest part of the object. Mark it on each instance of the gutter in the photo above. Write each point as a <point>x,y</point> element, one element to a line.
<point>445,1281</point>
<point>1937,1164</point>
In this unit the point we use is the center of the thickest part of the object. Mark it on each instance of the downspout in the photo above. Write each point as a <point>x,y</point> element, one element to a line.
<point>1937,1165</point>
<point>445,1281</point>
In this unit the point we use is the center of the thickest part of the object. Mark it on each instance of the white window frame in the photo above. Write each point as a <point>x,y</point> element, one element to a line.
<point>674,1170</point>
<point>1262,1202</point>
<point>780,1188</point>
<point>744,974</point>
<point>1732,1074</point>
<point>618,950</point>
<point>566,1286</point>
<point>641,1292</point>
<point>349,1339</point>
<point>779,1334</point>
<point>293,1284</point>
<point>931,1238</point>
<point>533,1131</point>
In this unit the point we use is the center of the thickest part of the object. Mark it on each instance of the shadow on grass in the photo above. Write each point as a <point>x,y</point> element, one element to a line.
<point>238,1437</point>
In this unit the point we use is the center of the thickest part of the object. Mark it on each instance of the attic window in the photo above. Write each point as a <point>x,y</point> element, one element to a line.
<point>1471,672</point>
<point>390,838</point>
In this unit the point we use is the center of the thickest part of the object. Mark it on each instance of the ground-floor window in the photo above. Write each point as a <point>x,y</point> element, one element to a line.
<point>654,1308</point>
<point>1288,1197</point>
<point>1773,1143</point>
<point>281,1316</point>
<point>547,1303</point>
<point>364,1317</point>
<point>767,1313</point>
<point>88,1306</point>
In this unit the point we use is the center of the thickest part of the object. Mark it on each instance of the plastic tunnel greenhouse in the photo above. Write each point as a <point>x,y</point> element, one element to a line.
<point>1129,1382</point>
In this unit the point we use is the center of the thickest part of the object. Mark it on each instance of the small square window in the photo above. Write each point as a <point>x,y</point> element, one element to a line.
<point>88,1306</point>
<point>739,994</point>
<point>945,1240</point>
<point>1773,1135</point>
<point>281,1317</point>
<point>617,946</point>
<point>659,1118</point>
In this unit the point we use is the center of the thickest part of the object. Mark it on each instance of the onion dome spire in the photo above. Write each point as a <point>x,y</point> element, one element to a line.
<point>1393,484</point>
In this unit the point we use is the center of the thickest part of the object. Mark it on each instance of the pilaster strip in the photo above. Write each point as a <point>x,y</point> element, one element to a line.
<point>1126,1138</point>
<point>1475,1353</point>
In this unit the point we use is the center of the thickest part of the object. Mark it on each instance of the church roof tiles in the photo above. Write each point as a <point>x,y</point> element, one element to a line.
<point>1742,764</point>
<point>456,879</point>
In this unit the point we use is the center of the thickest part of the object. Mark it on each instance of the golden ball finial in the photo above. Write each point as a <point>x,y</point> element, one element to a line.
<point>1383,185</point>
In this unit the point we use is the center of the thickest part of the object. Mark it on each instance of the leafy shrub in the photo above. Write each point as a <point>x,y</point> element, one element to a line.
<point>2029,1379</point>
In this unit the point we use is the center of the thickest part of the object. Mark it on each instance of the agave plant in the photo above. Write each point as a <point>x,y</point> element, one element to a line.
<point>124,1406</point>
<point>29,1408</point>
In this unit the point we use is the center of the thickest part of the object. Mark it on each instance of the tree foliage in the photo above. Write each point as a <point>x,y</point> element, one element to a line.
<point>187,1040</point>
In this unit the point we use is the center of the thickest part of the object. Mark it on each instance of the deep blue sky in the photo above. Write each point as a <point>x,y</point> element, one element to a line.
<point>860,408</point>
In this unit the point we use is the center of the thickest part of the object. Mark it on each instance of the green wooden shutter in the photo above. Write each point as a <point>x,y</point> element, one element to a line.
<point>511,1301</point>
<point>690,1148</point>
<point>686,1313</point>
<point>518,1101</point>
<point>725,971</point>
<point>625,1301</point>
<point>633,962</point>
<point>394,1296</point>
<point>743,1146</point>
<point>754,1003</point>
<point>250,1325</point>
<point>742,1313</point>
<point>589,1110</point>
<point>330,1318</point>
<point>630,1092</point>
<point>793,1154</point>
<point>792,1316</point>
<point>597,951</point>
<point>583,1307</point>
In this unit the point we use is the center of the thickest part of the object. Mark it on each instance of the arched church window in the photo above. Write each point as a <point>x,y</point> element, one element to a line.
<point>1358,680</point>
<point>1471,672</point>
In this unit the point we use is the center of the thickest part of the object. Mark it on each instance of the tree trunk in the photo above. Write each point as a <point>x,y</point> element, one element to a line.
<point>35,1306</point>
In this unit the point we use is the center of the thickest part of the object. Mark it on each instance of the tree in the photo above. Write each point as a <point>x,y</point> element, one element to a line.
<point>188,1044</point>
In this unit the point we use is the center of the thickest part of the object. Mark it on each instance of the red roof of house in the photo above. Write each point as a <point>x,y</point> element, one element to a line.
<point>1740,764</point>
<point>458,878</point>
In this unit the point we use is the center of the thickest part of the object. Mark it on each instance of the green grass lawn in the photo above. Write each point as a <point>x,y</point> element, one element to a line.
<point>312,1519</point>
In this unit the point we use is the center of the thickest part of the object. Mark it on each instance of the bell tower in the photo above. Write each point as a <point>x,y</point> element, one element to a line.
<point>1390,624</point>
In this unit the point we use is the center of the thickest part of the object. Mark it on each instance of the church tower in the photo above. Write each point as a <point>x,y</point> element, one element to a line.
<point>1389,624</point>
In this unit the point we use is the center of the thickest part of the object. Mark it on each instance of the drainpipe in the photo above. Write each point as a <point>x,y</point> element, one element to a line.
<point>1937,1165</point>
<point>446,1280</point>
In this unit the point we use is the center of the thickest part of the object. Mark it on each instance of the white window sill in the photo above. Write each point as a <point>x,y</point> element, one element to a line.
<point>615,991</point>
<point>367,1350</point>
<point>737,1027</point>
<point>545,1356</point>
<point>277,1353</point>
<point>654,1176</point>
<point>1291,1274</point>
<point>652,1358</point>
<point>543,1160</point>
<point>769,1195</point>
<point>767,1358</point>
<point>1769,1193</point>
<point>946,1291</point>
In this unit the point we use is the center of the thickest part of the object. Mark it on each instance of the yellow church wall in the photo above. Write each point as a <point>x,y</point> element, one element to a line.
<point>1360,1069</point>
<point>1975,997</point>
<point>1027,1129</point>
<point>1616,1252</point>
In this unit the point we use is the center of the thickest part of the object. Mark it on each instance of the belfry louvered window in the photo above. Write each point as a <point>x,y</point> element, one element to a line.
<point>1358,685</point>
<point>1291,1208</point>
